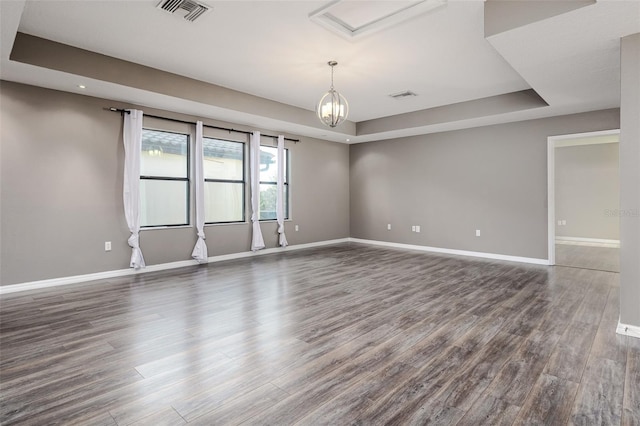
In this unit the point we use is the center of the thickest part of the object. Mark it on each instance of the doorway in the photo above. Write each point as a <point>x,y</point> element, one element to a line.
<point>583,200</point>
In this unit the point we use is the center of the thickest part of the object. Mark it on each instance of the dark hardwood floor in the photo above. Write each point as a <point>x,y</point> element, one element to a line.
<point>346,334</point>
<point>588,257</point>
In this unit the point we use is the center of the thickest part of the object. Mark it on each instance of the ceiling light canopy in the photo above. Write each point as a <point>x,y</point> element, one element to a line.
<point>333,108</point>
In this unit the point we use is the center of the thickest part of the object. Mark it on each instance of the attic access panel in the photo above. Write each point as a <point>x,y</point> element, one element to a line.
<point>354,19</point>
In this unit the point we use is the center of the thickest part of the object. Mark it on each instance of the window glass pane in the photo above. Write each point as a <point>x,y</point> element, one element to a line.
<point>163,202</point>
<point>223,202</point>
<point>268,197</point>
<point>223,159</point>
<point>164,154</point>
<point>268,164</point>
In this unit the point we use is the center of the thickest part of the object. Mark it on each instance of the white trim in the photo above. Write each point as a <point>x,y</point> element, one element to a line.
<point>273,250</point>
<point>453,251</point>
<point>585,135</point>
<point>591,140</point>
<point>327,19</point>
<point>551,200</point>
<point>76,279</point>
<point>596,242</point>
<point>628,330</point>
<point>552,142</point>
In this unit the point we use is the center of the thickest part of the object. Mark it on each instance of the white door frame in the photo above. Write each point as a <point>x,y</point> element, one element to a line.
<point>552,142</point>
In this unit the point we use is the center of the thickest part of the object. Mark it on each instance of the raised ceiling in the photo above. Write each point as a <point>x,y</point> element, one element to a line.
<point>274,51</point>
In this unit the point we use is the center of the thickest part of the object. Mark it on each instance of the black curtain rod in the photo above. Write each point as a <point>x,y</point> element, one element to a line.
<point>124,111</point>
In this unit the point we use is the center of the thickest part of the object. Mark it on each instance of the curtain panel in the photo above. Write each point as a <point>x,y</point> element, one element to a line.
<point>282,239</point>
<point>200,250</point>
<point>257,242</point>
<point>132,138</point>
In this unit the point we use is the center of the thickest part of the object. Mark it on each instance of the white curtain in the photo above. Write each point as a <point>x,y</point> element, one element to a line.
<point>200,250</point>
<point>280,196</point>
<point>257,242</point>
<point>132,137</point>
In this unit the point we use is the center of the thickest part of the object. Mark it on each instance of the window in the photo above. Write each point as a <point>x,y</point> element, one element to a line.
<point>164,179</point>
<point>224,181</point>
<point>268,182</point>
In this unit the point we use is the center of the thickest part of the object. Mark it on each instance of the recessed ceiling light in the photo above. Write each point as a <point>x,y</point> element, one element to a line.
<point>348,140</point>
<point>82,86</point>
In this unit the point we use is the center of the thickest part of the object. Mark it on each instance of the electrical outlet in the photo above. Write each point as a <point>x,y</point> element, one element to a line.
<point>417,228</point>
<point>107,246</point>
<point>297,228</point>
<point>564,222</point>
<point>388,227</point>
<point>477,232</point>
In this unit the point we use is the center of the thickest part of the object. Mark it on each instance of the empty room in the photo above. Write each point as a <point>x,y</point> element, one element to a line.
<point>320,212</point>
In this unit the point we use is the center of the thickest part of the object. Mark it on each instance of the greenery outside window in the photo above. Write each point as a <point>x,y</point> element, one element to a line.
<point>268,182</point>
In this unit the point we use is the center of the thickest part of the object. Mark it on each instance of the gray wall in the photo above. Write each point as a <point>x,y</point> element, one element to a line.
<point>588,191</point>
<point>61,189</point>
<point>490,178</point>
<point>630,181</point>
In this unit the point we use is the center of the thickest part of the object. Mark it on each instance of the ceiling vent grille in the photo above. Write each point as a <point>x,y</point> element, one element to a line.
<point>403,95</point>
<point>190,10</point>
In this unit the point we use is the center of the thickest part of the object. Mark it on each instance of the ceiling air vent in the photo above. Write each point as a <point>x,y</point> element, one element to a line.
<point>190,10</point>
<point>403,95</point>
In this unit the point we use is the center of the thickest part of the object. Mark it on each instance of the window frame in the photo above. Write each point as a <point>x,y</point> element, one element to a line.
<point>187,179</point>
<point>243,182</point>
<point>287,215</point>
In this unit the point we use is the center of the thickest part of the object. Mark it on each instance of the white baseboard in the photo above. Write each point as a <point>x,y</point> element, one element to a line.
<point>76,279</point>
<point>628,330</point>
<point>453,251</point>
<point>596,242</point>
<point>86,278</point>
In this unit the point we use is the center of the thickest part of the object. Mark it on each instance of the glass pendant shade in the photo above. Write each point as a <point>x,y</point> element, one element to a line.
<point>333,108</point>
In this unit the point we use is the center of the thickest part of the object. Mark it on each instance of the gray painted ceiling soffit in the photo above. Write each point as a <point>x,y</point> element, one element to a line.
<point>48,54</point>
<point>562,70</point>
<point>37,51</point>
<point>478,108</point>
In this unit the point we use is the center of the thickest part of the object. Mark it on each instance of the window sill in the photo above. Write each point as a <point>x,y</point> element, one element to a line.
<point>243,223</point>
<point>154,228</point>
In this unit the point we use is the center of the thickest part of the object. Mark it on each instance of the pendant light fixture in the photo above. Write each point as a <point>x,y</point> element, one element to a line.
<point>333,108</point>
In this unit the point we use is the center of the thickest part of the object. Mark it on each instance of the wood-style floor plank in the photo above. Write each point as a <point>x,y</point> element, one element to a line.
<point>572,352</point>
<point>600,395</point>
<point>343,334</point>
<point>490,411</point>
<point>588,257</point>
<point>515,380</point>
<point>549,402</point>
<point>631,402</point>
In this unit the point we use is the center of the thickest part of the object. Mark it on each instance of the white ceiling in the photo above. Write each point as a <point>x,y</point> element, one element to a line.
<point>272,49</point>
